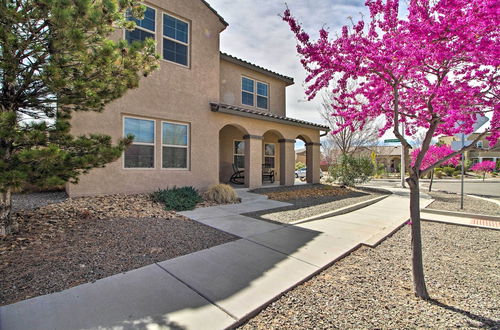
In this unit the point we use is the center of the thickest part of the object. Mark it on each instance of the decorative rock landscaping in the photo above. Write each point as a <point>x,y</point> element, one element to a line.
<point>451,202</point>
<point>84,239</point>
<point>309,200</point>
<point>372,288</point>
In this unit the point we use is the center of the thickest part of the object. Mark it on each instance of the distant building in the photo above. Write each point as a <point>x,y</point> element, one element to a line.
<point>481,151</point>
<point>389,156</point>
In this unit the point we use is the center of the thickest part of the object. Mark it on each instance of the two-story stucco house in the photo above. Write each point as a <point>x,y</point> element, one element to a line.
<point>199,114</point>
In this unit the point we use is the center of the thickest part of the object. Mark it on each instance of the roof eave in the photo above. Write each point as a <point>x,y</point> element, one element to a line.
<point>229,58</point>
<point>215,107</point>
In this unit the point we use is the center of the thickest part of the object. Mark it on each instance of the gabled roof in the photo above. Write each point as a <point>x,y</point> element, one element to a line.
<point>269,116</point>
<point>216,13</point>
<point>287,80</point>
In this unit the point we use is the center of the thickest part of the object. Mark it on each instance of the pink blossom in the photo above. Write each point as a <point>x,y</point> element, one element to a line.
<point>433,155</point>
<point>439,66</point>
<point>484,166</point>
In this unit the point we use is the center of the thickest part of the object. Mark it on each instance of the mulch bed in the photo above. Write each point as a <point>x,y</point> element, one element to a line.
<point>309,200</point>
<point>84,239</point>
<point>451,202</point>
<point>372,288</point>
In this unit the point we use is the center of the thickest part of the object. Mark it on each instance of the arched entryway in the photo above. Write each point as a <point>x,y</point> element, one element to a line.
<point>231,151</point>
<point>305,154</point>
<point>271,156</point>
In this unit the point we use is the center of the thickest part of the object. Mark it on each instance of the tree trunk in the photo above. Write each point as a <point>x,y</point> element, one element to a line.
<point>432,179</point>
<point>7,224</point>
<point>416,238</point>
<point>484,174</point>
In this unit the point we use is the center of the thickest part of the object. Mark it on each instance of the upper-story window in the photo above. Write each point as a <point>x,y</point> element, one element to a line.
<point>479,144</point>
<point>254,93</point>
<point>145,28</point>
<point>175,40</point>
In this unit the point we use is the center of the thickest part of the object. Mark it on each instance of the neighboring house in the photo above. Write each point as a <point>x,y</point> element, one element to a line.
<point>389,156</point>
<point>300,155</point>
<point>199,114</point>
<point>481,151</point>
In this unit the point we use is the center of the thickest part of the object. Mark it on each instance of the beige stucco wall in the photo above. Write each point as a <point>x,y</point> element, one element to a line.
<point>172,93</point>
<point>179,94</point>
<point>230,90</point>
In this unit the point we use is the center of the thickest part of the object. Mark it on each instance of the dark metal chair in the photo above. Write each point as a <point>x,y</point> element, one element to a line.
<point>238,176</point>
<point>267,173</point>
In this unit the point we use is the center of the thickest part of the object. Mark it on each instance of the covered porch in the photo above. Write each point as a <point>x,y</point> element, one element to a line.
<point>262,151</point>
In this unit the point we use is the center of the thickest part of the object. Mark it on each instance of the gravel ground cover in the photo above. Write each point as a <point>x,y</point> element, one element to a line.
<point>309,200</point>
<point>451,202</point>
<point>31,201</point>
<point>84,239</point>
<point>372,288</point>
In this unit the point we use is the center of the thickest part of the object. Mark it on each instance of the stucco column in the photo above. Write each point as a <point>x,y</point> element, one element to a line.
<point>253,161</point>
<point>313,157</point>
<point>287,162</point>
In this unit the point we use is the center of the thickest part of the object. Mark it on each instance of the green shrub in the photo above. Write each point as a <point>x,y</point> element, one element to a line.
<point>299,165</point>
<point>457,173</point>
<point>438,173</point>
<point>221,193</point>
<point>448,170</point>
<point>351,171</point>
<point>177,199</point>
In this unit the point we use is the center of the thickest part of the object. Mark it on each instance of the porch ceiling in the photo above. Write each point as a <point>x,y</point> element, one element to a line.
<point>268,116</point>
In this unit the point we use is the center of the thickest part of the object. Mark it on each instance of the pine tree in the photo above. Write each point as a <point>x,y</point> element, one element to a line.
<point>56,57</point>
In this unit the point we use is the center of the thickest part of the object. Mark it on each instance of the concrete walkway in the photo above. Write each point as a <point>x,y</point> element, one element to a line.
<point>463,221</point>
<point>217,287</point>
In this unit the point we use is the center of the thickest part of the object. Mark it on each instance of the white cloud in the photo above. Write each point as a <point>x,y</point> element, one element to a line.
<point>257,34</point>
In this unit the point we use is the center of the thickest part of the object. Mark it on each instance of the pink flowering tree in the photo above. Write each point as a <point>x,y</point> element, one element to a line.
<point>437,69</point>
<point>484,167</point>
<point>433,155</point>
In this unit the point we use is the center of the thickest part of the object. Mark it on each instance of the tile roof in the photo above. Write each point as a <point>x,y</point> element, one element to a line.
<point>236,60</point>
<point>231,109</point>
<point>216,13</point>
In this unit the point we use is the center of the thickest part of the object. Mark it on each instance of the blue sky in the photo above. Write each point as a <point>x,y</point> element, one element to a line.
<point>256,33</point>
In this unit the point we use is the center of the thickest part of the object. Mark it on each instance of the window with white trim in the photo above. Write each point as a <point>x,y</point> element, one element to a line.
<point>141,153</point>
<point>479,144</point>
<point>145,28</point>
<point>270,155</point>
<point>175,145</point>
<point>239,154</point>
<point>175,40</point>
<point>254,93</point>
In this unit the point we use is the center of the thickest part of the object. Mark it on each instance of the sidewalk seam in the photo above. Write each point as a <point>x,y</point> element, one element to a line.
<point>198,292</point>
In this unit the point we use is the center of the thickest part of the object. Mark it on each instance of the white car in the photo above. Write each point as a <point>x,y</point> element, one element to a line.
<point>301,174</point>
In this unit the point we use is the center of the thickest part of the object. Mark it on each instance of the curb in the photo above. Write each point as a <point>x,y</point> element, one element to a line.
<point>461,214</point>
<point>343,210</point>
<point>485,199</point>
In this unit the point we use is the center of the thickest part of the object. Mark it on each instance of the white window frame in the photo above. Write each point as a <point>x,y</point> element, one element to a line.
<point>175,40</point>
<point>273,156</point>
<point>255,92</point>
<point>140,143</point>
<point>144,29</point>
<point>479,144</point>
<point>187,146</point>
<point>235,154</point>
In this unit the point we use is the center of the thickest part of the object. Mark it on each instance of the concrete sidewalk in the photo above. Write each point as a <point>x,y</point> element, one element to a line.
<point>463,221</point>
<point>217,287</point>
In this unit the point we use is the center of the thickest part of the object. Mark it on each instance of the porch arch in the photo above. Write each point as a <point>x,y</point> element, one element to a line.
<point>231,150</point>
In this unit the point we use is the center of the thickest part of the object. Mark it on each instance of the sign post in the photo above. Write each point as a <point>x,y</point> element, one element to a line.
<point>403,162</point>
<point>480,121</point>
